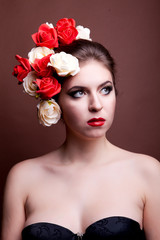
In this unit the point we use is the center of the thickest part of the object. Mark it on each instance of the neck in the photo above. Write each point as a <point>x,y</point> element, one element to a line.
<point>82,150</point>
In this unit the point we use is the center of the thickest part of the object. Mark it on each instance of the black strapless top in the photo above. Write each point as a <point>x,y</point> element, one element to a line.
<point>110,228</point>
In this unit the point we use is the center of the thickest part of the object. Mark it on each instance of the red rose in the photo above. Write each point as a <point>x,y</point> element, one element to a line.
<point>67,22</point>
<point>46,37</point>
<point>40,66</point>
<point>66,30</point>
<point>48,87</point>
<point>21,71</point>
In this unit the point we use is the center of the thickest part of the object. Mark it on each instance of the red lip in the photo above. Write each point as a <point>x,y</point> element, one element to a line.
<point>96,122</point>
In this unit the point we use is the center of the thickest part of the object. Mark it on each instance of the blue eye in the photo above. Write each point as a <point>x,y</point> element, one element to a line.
<point>106,90</point>
<point>77,94</point>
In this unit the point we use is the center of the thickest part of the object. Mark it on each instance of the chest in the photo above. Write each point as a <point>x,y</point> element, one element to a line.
<point>84,196</point>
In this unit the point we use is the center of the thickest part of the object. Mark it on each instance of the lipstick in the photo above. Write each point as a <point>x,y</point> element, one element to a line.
<point>96,122</point>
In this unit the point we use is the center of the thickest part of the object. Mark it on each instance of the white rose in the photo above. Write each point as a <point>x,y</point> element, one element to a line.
<point>49,112</point>
<point>83,33</point>
<point>64,64</point>
<point>49,24</point>
<point>28,84</point>
<point>39,52</point>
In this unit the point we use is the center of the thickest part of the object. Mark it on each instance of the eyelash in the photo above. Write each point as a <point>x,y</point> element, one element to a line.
<point>108,89</point>
<point>73,94</point>
<point>82,92</point>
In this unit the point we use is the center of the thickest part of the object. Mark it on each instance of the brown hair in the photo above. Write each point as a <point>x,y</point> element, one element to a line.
<point>85,50</point>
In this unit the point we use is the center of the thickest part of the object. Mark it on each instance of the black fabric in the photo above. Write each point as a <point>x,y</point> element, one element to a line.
<point>110,228</point>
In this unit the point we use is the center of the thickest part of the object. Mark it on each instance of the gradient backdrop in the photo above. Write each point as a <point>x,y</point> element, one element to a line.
<point>128,28</point>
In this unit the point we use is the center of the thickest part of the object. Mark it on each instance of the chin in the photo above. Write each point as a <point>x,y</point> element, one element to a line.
<point>88,133</point>
<point>92,135</point>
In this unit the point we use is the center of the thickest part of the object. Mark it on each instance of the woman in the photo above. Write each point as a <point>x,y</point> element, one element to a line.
<point>87,188</point>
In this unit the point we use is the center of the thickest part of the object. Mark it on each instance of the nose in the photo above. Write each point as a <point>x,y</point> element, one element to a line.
<point>95,104</point>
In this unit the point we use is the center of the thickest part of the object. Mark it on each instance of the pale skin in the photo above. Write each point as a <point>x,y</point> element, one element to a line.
<point>87,178</point>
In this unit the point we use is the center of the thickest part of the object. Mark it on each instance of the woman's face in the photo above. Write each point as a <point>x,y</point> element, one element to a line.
<point>88,101</point>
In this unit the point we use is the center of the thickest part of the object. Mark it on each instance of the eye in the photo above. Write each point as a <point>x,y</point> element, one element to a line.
<point>77,94</point>
<point>106,90</point>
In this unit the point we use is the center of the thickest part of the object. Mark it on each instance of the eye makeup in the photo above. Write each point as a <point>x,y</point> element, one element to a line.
<point>76,93</point>
<point>79,91</point>
<point>106,90</point>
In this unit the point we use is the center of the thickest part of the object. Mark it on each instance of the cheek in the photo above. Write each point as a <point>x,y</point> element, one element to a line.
<point>71,113</point>
<point>72,109</point>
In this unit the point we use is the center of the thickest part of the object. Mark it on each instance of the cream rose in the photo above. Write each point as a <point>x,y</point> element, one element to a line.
<point>39,52</point>
<point>83,33</point>
<point>49,112</point>
<point>64,64</point>
<point>28,84</point>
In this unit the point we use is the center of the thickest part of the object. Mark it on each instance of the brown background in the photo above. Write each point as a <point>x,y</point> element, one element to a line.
<point>130,29</point>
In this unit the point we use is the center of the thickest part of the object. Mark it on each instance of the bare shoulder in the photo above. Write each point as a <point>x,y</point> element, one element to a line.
<point>148,169</point>
<point>137,157</point>
<point>17,187</point>
<point>150,165</point>
<point>24,172</point>
<point>147,166</point>
<point>22,180</point>
<point>24,169</point>
<point>19,177</point>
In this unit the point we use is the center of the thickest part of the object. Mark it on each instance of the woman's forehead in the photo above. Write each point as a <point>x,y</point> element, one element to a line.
<point>91,73</point>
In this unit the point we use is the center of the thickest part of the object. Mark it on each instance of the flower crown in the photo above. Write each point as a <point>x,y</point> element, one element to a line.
<point>37,72</point>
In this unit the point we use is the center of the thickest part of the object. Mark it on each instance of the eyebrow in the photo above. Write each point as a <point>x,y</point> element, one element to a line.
<point>82,87</point>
